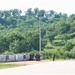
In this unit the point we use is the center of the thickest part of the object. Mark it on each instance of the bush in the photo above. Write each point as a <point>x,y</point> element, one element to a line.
<point>68,46</point>
<point>65,55</point>
<point>49,47</point>
<point>58,43</point>
<point>69,55</point>
<point>47,54</point>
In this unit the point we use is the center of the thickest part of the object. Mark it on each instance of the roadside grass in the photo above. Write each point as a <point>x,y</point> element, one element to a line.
<point>10,65</point>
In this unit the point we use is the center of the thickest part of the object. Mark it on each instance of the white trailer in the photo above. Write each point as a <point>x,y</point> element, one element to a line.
<point>2,58</point>
<point>27,56</point>
<point>19,57</point>
<point>10,58</point>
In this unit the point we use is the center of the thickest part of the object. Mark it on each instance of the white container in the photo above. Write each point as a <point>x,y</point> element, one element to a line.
<point>2,58</point>
<point>10,58</point>
<point>19,57</point>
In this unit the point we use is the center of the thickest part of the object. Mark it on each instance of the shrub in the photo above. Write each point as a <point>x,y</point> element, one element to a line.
<point>49,47</point>
<point>47,54</point>
<point>68,46</point>
<point>65,55</point>
<point>69,55</point>
<point>58,43</point>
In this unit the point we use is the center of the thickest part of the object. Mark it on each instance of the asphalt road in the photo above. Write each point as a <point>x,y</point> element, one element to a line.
<point>48,68</point>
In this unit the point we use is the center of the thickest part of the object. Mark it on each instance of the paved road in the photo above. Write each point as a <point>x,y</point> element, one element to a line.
<point>48,68</point>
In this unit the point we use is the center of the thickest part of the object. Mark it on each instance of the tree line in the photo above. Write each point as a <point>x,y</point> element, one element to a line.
<point>20,33</point>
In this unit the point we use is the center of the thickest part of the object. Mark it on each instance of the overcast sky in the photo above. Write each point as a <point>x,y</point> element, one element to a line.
<point>64,6</point>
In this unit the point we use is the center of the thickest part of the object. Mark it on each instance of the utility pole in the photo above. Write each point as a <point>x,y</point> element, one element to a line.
<point>39,35</point>
<point>39,22</point>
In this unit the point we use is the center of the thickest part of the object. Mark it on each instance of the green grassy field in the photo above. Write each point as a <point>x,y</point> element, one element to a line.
<point>10,65</point>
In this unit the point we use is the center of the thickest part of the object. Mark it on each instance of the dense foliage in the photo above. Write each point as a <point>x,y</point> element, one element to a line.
<point>20,33</point>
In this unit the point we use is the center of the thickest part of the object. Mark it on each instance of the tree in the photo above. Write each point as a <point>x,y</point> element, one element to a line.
<point>16,12</point>
<point>68,46</point>
<point>29,12</point>
<point>6,14</point>
<point>41,13</point>
<point>4,43</point>
<point>14,46</point>
<point>62,27</point>
<point>51,36</point>
<point>36,11</point>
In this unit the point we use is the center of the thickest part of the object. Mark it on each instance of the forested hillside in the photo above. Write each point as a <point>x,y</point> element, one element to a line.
<point>20,33</point>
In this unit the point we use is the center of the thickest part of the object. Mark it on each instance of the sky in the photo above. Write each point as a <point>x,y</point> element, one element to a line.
<point>64,6</point>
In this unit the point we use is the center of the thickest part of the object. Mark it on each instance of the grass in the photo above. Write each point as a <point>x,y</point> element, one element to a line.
<point>10,65</point>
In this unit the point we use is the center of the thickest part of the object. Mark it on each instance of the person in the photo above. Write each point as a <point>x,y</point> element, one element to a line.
<point>31,56</point>
<point>53,57</point>
<point>37,56</point>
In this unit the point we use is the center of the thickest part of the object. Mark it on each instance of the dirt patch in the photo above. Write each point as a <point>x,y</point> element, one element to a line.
<point>37,62</point>
<point>28,62</point>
